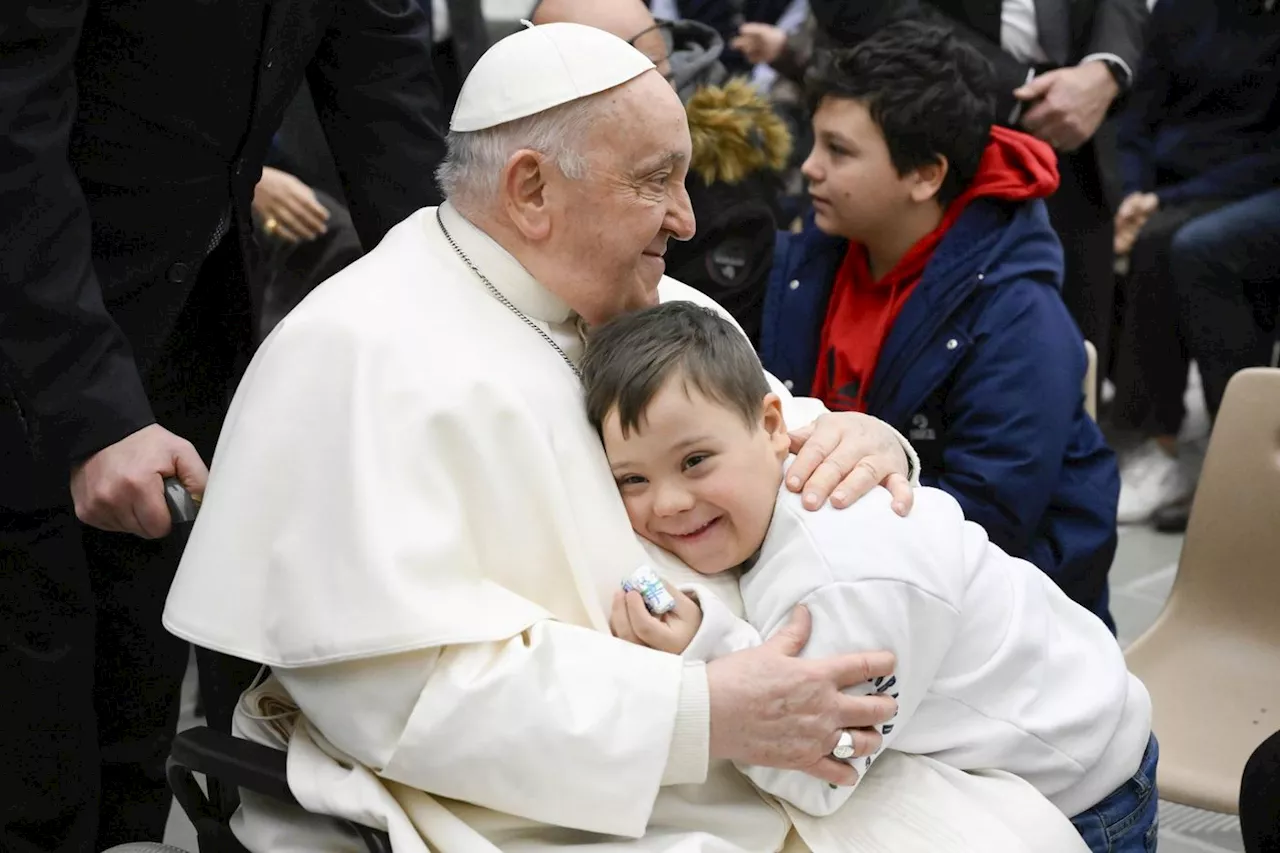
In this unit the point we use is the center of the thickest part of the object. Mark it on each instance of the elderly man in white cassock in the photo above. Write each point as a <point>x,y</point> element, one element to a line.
<point>411,522</point>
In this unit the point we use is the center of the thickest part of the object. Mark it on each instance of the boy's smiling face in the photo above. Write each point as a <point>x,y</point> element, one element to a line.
<point>695,478</point>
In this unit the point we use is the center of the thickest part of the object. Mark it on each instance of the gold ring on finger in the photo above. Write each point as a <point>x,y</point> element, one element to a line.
<point>271,226</point>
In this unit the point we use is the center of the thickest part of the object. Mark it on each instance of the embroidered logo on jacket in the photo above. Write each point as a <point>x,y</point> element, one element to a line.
<point>920,430</point>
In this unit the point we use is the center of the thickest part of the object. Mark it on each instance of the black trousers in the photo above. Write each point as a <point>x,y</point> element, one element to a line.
<point>89,678</point>
<point>1081,214</point>
<point>1260,798</point>
<point>90,684</point>
<point>1152,358</point>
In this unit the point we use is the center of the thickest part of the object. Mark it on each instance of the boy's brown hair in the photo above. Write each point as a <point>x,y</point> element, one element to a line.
<point>630,358</point>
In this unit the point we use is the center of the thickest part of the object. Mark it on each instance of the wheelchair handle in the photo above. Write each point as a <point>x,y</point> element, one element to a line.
<point>183,506</point>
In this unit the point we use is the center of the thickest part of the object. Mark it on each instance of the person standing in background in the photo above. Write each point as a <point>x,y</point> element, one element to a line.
<point>131,140</point>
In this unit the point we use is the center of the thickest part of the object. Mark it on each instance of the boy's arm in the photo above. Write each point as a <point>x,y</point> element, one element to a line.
<point>721,632</point>
<point>900,617</point>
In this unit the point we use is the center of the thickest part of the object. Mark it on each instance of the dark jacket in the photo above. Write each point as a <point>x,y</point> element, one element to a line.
<point>1204,119</point>
<point>131,138</point>
<point>982,371</point>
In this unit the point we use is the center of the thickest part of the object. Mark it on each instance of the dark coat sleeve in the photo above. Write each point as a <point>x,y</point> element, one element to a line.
<point>1119,27</point>
<point>379,102</point>
<point>65,360</point>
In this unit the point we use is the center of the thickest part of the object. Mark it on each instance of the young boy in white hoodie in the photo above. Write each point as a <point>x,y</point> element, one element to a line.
<point>997,668</point>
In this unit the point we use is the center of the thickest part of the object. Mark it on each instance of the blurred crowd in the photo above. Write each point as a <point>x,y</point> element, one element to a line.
<point>176,178</point>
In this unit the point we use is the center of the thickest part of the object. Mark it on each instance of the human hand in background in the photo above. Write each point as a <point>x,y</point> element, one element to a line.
<point>760,42</point>
<point>1132,216</point>
<point>288,208</point>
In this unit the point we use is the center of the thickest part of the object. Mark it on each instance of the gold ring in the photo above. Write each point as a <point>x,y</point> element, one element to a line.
<point>271,225</point>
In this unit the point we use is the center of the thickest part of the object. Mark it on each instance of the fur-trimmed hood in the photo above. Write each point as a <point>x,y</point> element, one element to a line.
<point>735,130</point>
<point>735,133</point>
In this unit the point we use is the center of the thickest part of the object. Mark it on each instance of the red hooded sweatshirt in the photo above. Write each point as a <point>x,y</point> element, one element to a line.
<point>861,311</point>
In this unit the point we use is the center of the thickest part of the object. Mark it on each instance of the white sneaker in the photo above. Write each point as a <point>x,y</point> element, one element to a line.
<point>1149,479</point>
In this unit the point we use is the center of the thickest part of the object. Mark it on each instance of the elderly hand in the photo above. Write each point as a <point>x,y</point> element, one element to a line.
<point>121,488</point>
<point>843,456</point>
<point>1070,104</point>
<point>760,42</point>
<point>770,708</point>
<point>288,208</point>
<point>1131,218</point>
<point>672,632</point>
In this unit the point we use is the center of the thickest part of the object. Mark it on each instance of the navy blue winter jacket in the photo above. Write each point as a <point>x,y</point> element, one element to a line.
<point>983,371</point>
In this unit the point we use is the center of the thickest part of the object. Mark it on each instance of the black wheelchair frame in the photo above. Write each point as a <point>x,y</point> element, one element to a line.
<point>229,764</point>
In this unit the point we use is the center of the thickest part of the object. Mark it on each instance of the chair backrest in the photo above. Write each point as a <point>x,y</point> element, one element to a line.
<point>1229,574</point>
<point>1091,380</point>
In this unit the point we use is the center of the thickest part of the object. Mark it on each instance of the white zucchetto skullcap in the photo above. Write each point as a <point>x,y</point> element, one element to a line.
<point>542,67</point>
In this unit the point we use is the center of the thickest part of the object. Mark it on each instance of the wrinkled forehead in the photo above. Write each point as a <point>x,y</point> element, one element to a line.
<point>644,120</point>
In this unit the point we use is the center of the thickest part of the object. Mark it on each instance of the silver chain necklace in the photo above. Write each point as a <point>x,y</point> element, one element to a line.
<point>497,294</point>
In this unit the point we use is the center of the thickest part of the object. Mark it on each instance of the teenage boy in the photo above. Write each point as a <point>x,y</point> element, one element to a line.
<point>925,290</point>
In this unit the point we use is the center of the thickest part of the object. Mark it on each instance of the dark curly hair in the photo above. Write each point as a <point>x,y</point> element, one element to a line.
<point>931,95</point>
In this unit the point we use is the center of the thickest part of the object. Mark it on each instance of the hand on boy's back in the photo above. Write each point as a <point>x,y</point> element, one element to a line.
<point>844,455</point>
<point>671,632</point>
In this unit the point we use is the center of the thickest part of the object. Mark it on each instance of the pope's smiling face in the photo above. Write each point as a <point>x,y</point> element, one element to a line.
<point>614,223</point>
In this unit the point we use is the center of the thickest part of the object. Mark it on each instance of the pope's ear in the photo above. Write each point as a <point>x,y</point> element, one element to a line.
<point>523,186</point>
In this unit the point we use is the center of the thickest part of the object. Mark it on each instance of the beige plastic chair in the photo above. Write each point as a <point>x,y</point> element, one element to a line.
<point>1091,380</point>
<point>1212,659</point>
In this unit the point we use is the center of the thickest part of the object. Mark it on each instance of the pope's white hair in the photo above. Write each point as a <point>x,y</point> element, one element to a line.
<point>471,170</point>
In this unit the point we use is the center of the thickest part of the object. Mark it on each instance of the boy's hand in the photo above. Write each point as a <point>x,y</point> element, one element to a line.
<point>671,632</point>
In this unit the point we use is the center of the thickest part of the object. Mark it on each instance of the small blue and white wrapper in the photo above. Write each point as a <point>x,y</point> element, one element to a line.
<point>646,582</point>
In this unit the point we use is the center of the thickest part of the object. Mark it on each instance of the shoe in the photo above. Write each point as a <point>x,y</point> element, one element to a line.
<point>1149,479</point>
<point>1172,518</point>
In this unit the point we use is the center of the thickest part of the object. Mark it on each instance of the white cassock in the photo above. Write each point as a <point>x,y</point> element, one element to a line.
<point>411,521</point>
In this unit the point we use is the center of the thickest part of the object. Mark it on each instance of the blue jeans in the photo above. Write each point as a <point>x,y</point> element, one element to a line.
<point>1127,820</point>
